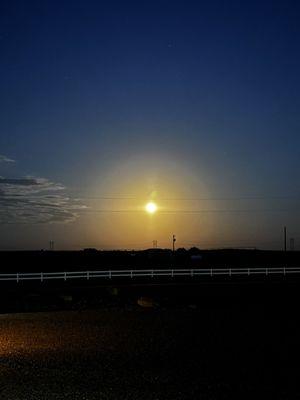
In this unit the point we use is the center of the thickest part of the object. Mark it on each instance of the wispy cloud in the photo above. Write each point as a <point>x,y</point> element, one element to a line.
<point>36,200</point>
<point>18,182</point>
<point>6,159</point>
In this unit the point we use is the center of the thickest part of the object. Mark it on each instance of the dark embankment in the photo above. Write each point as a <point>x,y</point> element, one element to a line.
<point>37,261</point>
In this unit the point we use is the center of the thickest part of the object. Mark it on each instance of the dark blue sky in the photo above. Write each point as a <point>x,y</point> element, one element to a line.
<point>195,94</point>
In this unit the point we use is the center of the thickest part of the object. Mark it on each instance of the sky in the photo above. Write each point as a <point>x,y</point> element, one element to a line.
<point>105,106</point>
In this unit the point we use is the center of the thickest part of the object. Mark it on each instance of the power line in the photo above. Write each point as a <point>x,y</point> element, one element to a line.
<point>230,198</point>
<point>186,211</point>
<point>109,197</point>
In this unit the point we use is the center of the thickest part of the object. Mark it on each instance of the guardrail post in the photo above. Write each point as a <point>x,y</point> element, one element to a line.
<point>229,271</point>
<point>17,277</point>
<point>248,271</point>
<point>211,272</point>
<point>87,275</point>
<point>192,272</point>
<point>266,271</point>
<point>131,274</point>
<point>152,273</point>
<point>283,270</point>
<point>172,273</point>
<point>41,277</point>
<point>109,274</point>
<point>65,276</point>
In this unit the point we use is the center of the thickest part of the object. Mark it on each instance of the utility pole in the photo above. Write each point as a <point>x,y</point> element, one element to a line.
<point>292,244</point>
<point>284,231</point>
<point>174,240</point>
<point>51,245</point>
<point>154,244</point>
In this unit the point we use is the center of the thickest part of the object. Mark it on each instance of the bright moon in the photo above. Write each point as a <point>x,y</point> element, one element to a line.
<point>151,208</point>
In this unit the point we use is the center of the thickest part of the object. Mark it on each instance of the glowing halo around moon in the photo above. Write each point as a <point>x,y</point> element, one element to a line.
<point>151,207</point>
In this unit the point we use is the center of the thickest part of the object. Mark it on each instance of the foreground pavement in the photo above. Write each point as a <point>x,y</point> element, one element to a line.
<point>173,353</point>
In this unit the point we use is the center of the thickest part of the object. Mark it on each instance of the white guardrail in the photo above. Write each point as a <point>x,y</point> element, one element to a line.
<point>150,273</point>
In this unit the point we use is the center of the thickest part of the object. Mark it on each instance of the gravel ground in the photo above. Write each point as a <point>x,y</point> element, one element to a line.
<point>133,353</point>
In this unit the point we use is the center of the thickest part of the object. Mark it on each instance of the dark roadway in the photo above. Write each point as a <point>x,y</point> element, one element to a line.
<point>206,350</point>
